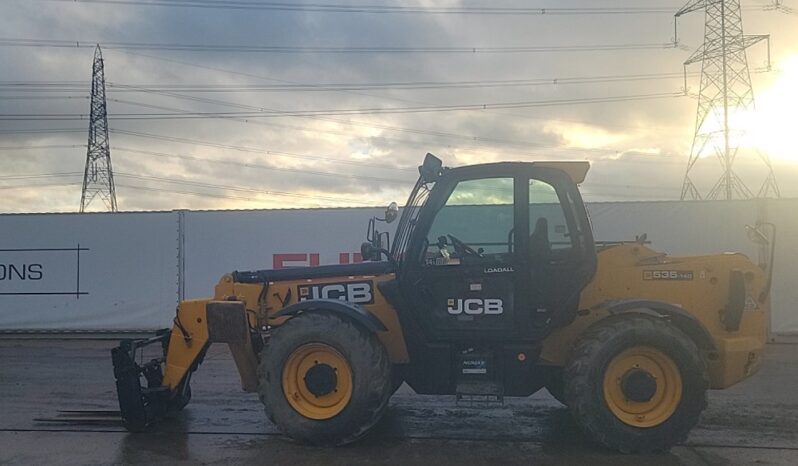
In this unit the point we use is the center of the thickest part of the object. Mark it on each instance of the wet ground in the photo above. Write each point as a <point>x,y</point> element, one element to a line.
<point>755,422</point>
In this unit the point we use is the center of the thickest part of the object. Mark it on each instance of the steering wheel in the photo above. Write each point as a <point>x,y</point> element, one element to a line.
<point>462,248</point>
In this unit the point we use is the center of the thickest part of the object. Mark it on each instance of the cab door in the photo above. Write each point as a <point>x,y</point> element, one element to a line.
<point>465,271</point>
<point>560,251</point>
<point>499,257</point>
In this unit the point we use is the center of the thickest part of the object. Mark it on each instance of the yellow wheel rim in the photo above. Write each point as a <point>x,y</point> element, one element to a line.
<point>317,381</point>
<point>642,387</point>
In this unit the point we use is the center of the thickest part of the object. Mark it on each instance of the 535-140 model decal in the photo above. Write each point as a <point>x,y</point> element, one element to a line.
<point>667,275</point>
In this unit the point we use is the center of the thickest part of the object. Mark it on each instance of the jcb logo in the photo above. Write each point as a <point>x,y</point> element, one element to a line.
<point>474,306</point>
<point>353,292</point>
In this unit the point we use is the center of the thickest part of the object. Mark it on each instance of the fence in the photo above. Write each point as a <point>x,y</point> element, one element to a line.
<point>127,271</point>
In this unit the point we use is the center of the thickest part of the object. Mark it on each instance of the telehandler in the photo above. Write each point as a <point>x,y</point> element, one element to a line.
<point>493,287</point>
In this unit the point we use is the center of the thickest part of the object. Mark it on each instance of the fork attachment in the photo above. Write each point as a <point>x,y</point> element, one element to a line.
<point>143,399</point>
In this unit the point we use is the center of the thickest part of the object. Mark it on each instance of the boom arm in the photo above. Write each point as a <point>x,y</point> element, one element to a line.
<point>148,391</point>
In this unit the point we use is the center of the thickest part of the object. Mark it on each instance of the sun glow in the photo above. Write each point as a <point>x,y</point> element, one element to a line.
<point>773,128</point>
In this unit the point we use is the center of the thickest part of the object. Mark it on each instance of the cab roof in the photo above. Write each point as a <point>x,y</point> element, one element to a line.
<point>576,170</point>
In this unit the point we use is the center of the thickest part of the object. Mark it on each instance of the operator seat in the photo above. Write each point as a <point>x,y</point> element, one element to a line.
<point>539,259</point>
<point>539,245</point>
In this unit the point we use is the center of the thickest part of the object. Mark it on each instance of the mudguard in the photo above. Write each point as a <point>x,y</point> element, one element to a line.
<point>353,311</point>
<point>680,317</point>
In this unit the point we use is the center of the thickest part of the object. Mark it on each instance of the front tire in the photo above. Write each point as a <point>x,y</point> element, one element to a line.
<point>636,383</point>
<point>323,379</point>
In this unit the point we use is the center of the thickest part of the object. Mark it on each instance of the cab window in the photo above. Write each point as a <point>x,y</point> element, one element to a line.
<point>550,236</point>
<point>474,226</point>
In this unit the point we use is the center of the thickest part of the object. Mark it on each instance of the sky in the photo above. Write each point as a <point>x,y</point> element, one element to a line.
<point>575,104</point>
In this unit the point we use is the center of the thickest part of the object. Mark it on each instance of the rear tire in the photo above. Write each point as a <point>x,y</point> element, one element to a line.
<point>636,384</point>
<point>337,374</point>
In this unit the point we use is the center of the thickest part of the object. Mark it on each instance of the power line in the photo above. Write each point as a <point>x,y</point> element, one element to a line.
<point>588,186</point>
<point>473,148</point>
<point>39,185</point>
<point>269,152</point>
<point>478,139</point>
<point>191,193</point>
<point>238,188</point>
<point>407,85</point>
<point>32,176</point>
<point>47,146</point>
<point>397,9</point>
<point>349,122</point>
<point>43,131</point>
<point>779,6</point>
<point>428,132</point>
<point>441,134</point>
<point>358,111</point>
<point>43,97</point>
<point>202,88</point>
<point>383,9</point>
<point>359,163</point>
<point>255,150</point>
<point>300,171</point>
<point>57,86</point>
<point>371,125</point>
<point>250,75</point>
<point>340,87</point>
<point>405,182</point>
<point>329,159</point>
<point>17,42</point>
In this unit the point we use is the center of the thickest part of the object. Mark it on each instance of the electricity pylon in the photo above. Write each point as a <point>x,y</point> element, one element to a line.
<point>725,97</point>
<point>98,177</point>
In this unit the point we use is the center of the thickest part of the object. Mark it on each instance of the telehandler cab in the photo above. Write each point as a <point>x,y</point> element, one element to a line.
<point>493,286</point>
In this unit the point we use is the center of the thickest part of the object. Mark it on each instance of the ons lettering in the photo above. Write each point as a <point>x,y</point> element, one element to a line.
<point>11,272</point>
<point>474,306</point>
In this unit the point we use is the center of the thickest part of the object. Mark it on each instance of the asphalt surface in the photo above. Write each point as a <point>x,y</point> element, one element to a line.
<point>755,422</point>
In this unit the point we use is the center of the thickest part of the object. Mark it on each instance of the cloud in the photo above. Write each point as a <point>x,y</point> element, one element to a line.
<point>638,148</point>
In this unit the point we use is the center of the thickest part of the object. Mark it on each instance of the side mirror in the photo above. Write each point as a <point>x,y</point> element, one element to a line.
<point>756,235</point>
<point>369,252</point>
<point>392,212</point>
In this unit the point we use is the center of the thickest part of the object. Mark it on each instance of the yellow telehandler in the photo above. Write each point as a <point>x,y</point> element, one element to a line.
<point>492,287</point>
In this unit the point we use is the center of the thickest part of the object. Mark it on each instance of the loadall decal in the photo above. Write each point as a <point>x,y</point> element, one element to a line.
<point>503,269</point>
<point>667,275</point>
<point>353,292</point>
<point>474,306</point>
